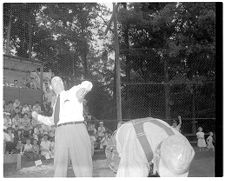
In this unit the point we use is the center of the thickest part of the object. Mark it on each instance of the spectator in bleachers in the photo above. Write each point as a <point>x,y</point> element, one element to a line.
<point>52,133</point>
<point>9,139</point>
<point>36,107</point>
<point>7,120</point>
<point>21,128</point>
<point>36,149</point>
<point>100,134</point>
<point>45,147</point>
<point>52,144</point>
<point>103,141</point>
<point>41,131</point>
<point>16,120</point>
<point>19,147</point>
<point>28,150</point>
<point>15,127</point>
<point>18,136</point>
<point>36,130</point>
<point>31,131</point>
<point>34,123</point>
<point>101,130</point>
<point>9,107</point>
<point>16,104</point>
<point>16,84</point>
<point>5,138</point>
<point>26,122</point>
<point>25,109</point>
<point>16,111</point>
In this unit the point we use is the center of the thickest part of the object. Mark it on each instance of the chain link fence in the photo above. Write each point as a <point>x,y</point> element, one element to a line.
<point>195,103</point>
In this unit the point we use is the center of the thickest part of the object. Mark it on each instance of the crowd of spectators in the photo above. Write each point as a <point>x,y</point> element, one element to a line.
<point>99,137</point>
<point>24,135</point>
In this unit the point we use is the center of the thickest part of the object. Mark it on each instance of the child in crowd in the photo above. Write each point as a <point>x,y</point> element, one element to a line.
<point>19,146</point>
<point>7,120</point>
<point>100,134</point>
<point>36,149</point>
<point>36,132</point>
<point>201,139</point>
<point>209,141</point>
<point>45,147</point>
<point>28,150</point>
<point>18,136</point>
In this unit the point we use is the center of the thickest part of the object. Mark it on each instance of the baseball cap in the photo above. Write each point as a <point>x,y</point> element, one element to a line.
<point>176,155</point>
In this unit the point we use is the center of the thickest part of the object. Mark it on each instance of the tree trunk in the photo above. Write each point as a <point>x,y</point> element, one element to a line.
<point>30,40</point>
<point>85,65</point>
<point>9,35</point>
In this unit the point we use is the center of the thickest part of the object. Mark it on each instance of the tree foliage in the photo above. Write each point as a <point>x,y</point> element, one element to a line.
<point>182,35</point>
<point>66,37</point>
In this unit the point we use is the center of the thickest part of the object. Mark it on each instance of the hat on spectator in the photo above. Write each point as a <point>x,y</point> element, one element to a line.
<point>21,128</point>
<point>45,134</point>
<point>10,128</point>
<point>16,103</point>
<point>176,155</point>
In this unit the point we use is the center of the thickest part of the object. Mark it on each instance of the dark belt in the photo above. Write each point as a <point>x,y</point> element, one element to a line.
<point>68,123</point>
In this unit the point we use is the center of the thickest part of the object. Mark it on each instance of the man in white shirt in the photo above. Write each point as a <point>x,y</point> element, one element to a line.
<point>71,136</point>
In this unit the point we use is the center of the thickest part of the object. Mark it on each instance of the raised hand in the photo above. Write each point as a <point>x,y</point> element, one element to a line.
<point>34,115</point>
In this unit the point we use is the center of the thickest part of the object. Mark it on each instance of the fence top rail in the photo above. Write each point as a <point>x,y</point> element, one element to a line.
<point>167,83</point>
<point>108,120</point>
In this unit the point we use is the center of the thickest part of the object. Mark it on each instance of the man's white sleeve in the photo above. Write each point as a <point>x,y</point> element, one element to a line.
<point>84,85</point>
<point>46,120</point>
<point>87,85</point>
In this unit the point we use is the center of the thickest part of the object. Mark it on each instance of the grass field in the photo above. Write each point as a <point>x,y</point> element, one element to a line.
<point>203,165</point>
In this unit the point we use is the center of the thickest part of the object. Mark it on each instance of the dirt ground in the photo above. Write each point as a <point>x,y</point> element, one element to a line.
<point>203,165</point>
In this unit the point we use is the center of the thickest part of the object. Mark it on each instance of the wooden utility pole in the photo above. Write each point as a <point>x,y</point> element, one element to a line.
<point>194,129</point>
<point>167,90</point>
<point>117,62</point>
